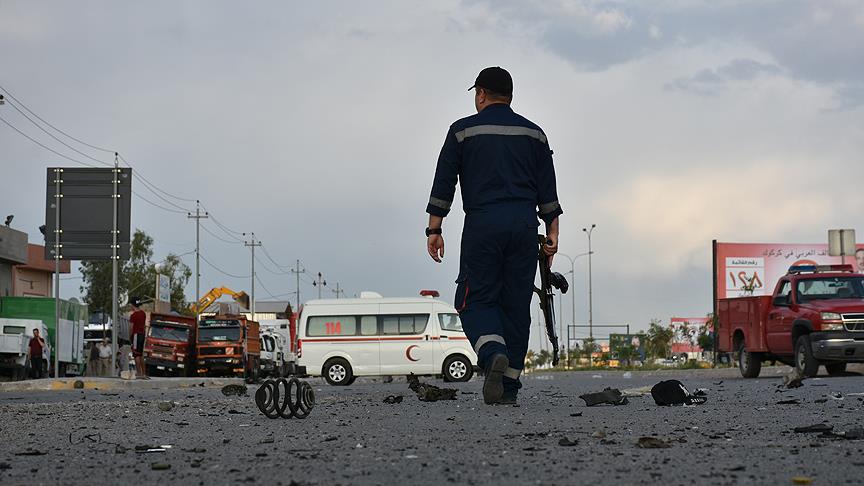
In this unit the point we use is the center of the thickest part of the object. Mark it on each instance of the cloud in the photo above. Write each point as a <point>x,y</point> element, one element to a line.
<point>674,216</point>
<point>710,81</point>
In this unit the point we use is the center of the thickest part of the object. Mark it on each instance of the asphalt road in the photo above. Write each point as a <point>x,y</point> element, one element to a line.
<point>740,436</point>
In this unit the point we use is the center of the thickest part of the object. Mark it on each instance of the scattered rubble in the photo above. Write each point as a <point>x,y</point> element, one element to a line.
<point>566,442</point>
<point>234,390</point>
<point>78,385</point>
<point>610,396</point>
<point>794,379</point>
<point>430,393</point>
<point>823,427</point>
<point>393,399</point>
<point>165,406</point>
<point>793,401</point>
<point>652,443</point>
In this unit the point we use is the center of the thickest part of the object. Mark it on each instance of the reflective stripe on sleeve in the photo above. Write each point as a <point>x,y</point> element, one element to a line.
<point>512,373</point>
<point>440,203</point>
<point>488,338</point>
<point>499,130</point>
<point>549,207</point>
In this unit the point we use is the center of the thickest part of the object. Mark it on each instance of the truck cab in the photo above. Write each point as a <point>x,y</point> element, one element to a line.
<point>15,337</point>
<point>228,345</point>
<point>815,317</point>
<point>169,347</point>
<point>272,354</point>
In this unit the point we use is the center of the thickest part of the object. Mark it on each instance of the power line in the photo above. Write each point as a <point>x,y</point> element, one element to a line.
<point>28,137</point>
<point>270,294</point>
<point>156,205</point>
<point>40,127</point>
<point>214,235</point>
<point>214,267</point>
<point>267,254</point>
<point>52,126</point>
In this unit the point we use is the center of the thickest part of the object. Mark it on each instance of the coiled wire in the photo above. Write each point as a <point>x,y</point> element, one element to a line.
<point>286,398</point>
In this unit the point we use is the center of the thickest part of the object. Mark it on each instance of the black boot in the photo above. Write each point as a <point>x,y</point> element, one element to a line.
<point>493,386</point>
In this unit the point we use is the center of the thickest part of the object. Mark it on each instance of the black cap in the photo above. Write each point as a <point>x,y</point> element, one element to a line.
<point>495,79</point>
<point>135,301</point>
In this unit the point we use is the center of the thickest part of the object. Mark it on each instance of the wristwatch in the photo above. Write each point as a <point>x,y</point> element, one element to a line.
<point>432,231</point>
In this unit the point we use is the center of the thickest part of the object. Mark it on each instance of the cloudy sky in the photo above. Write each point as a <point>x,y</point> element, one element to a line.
<point>317,126</point>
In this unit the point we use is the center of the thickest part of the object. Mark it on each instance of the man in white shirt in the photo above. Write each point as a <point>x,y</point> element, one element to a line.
<point>105,358</point>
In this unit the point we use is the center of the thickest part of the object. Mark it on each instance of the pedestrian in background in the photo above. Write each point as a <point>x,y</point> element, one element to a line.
<point>105,352</point>
<point>93,359</point>
<point>503,164</point>
<point>139,325</point>
<point>125,355</point>
<point>34,354</point>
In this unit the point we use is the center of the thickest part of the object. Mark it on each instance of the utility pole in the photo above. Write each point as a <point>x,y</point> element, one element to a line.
<point>590,289</point>
<point>338,291</point>
<point>297,271</point>
<point>252,244</point>
<point>197,217</point>
<point>320,283</point>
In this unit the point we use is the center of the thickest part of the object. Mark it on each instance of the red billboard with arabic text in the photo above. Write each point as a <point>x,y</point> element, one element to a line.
<point>762,264</point>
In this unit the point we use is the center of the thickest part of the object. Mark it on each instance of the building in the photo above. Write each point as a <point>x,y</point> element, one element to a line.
<point>13,251</point>
<point>36,277</point>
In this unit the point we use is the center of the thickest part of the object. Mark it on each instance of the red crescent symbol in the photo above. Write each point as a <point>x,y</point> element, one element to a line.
<point>408,352</point>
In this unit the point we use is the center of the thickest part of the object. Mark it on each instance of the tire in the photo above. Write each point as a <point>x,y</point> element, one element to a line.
<point>835,369</point>
<point>806,364</point>
<point>750,364</point>
<point>457,368</point>
<point>338,372</point>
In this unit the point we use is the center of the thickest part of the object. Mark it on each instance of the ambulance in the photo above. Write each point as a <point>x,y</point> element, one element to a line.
<point>341,339</point>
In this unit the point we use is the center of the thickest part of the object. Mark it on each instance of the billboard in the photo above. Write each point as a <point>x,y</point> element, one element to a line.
<point>634,344</point>
<point>760,265</point>
<point>685,334</point>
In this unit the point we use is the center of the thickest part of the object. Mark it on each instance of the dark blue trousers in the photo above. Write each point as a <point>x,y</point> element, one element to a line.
<point>496,283</point>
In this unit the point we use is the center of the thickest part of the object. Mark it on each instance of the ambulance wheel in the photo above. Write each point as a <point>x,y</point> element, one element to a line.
<point>806,364</point>
<point>457,368</point>
<point>750,364</point>
<point>338,372</point>
<point>835,369</point>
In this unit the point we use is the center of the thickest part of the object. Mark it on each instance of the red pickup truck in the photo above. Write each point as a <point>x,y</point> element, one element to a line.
<point>815,317</point>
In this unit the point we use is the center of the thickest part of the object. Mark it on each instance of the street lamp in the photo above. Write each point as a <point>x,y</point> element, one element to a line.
<point>588,232</point>
<point>572,272</point>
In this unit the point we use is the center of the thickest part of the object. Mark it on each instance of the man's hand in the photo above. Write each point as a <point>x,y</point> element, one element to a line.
<point>435,247</point>
<point>551,246</point>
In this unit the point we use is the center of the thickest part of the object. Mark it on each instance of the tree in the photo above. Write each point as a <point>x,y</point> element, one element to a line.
<point>530,359</point>
<point>542,358</point>
<point>705,339</point>
<point>136,276</point>
<point>658,339</point>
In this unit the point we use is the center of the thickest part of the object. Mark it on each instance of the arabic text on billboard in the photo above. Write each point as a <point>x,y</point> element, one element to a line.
<point>760,265</point>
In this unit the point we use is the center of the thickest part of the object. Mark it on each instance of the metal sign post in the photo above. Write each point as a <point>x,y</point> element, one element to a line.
<point>57,231</point>
<point>114,263</point>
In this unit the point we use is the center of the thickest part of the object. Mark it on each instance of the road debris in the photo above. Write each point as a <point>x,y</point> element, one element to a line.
<point>792,401</point>
<point>165,406</point>
<point>234,390</point>
<point>793,380</point>
<point>673,392</point>
<point>611,396</point>
<point>285,397</point>
<point>78,385</point>
<point>31,452</point>
<point>430,393</point>
<point>652,443</point>
<point>160,466</point>
<point>393,399</point>
<point>801,480</point>
<point>821,428</point>
<point>566,442</point>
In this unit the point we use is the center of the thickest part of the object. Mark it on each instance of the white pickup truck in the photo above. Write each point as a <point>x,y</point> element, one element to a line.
<point>15,337</point>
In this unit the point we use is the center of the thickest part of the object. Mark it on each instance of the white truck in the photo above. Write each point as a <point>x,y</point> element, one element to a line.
<point>272,353</point>
<point>15,337</point>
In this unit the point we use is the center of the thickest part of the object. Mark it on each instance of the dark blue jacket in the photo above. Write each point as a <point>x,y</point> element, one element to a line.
<point>499,157</point>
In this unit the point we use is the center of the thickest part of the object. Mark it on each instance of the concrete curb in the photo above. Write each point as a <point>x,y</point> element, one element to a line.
<point>92,383</point>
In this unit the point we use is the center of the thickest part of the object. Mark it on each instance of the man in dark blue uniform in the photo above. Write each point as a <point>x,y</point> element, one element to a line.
<point>504,164</point>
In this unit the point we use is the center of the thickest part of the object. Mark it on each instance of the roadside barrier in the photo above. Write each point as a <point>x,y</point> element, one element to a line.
<point>286,398</point>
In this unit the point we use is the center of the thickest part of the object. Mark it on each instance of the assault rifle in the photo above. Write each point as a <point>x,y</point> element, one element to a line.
<point>548,281</point>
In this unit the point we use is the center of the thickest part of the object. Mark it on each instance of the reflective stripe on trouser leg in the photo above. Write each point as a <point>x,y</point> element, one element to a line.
<point>512,373</point>
<point>488,338</point>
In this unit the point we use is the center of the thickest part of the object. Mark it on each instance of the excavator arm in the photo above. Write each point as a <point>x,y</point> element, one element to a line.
<point>215,293</point>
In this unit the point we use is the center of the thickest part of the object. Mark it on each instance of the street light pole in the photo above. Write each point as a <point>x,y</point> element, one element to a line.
<point>588,232</point>
<point>573,301</point>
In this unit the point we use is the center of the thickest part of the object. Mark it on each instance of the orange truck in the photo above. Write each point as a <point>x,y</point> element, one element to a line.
<point>228,345</point>
<point>169,347</point>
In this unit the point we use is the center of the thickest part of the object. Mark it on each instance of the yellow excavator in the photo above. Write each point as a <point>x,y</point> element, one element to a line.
<point>213,295</point>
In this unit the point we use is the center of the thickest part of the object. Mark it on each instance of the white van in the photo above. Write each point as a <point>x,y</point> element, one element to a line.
<point>341,339</point>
